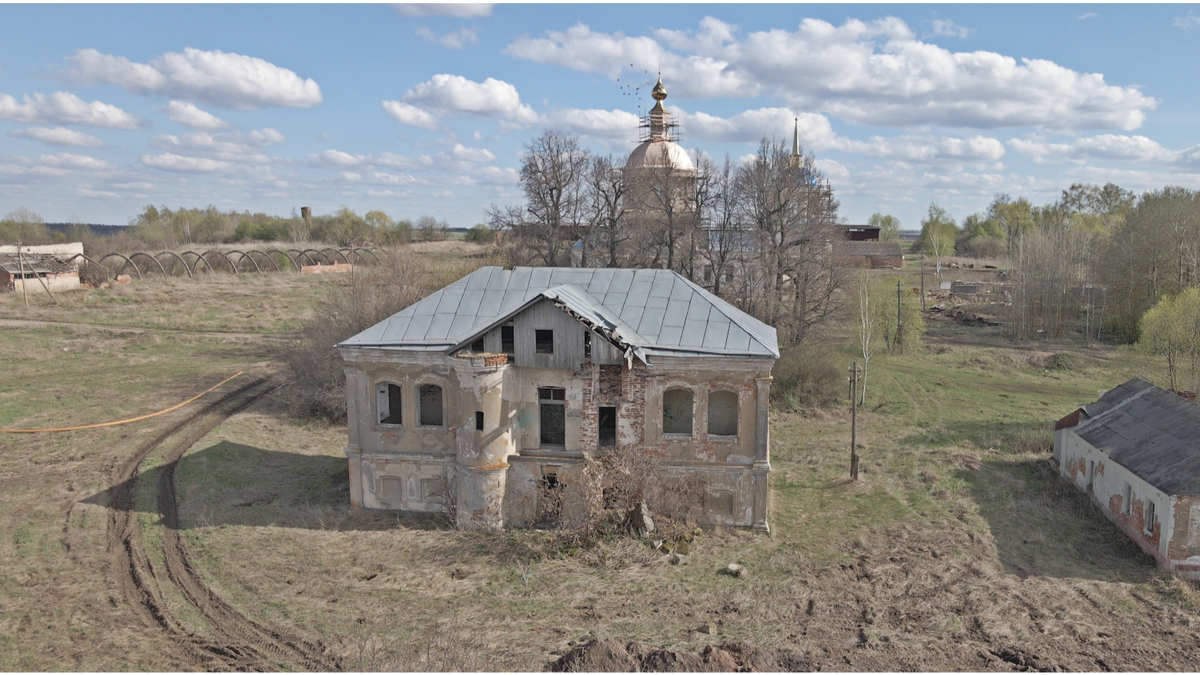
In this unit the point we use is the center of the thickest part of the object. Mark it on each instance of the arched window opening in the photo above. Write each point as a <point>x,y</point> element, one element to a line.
<point>722,413</point>
<point>430,405</point>
<point>387,403</point>
<point>677,411</point>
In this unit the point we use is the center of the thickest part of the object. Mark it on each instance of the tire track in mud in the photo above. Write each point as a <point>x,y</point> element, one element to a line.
<point>236,642</point>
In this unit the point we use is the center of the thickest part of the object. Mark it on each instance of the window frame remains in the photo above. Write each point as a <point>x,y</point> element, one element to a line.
<point>422,390</point>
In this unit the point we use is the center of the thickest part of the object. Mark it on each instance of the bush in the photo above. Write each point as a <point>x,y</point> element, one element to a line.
<point>807,376</point>
<point>984,247</point>
<point>480,234</point>
<point>316,383</point>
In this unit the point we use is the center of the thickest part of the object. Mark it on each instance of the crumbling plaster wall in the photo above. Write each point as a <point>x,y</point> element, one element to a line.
<point>1106,486</point>
<point>498,469</point>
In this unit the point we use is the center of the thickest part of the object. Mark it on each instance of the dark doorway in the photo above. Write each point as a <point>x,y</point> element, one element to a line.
<point>608,426</point>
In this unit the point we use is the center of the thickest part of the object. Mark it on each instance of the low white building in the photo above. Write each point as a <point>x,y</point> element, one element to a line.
<point>1136,453</point>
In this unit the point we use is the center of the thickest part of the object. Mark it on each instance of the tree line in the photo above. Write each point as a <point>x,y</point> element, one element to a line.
<point>163,227</point>
<point>1091,262</point>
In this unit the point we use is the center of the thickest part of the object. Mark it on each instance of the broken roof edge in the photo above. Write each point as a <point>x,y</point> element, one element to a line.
<point>575,301</point>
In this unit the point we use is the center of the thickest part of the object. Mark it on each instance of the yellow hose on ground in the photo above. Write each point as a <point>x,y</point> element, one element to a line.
<point>133,419</point>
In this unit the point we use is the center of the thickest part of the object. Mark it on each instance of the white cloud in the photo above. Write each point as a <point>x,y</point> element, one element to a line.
<point>218,78</point>
<point>173,162</point>
<point>84,192</point>
<point>226,147</point>
<point>454,40</point>
<point>137,185</point>
<point>607,125</point>
<point>1186,22</point>
<point>1112,147</point>
<point>875,73</point>
<point>64,108</point>
<point>58,136</point>
<point>1087,15</point>
<point>410,115</point>
<point>926,148</point>
<point>189,115</point>
<point>471,154</point>
<point>750,126</point>
<point>947,28</point>
<point>67,160</point>
<point>831,168</point>
<point>462,10</point>
<point>350,176</point>
<point>446,95</point>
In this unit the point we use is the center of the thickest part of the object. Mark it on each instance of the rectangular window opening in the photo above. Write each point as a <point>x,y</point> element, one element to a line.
<point>478,420</point>
<point>477,346</point>
<point>587,344</point>
<point>387,400</point>
<point>607,424</point>
<point>677,411</point>
<point>1150,514</point>
<point>431,405</point>
<point>544,341</point>
<point>552,416</point>
<point>1127,499</point>
<point>507,342</point>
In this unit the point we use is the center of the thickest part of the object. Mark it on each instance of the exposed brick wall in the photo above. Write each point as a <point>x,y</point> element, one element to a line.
<point>1182,544</point>
<point>633,406</point>
<point>1134,524</point>
<point>610,383</point>
<point>589,424</point>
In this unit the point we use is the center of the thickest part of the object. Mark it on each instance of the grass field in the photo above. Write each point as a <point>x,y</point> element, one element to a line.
<point>958,548</point>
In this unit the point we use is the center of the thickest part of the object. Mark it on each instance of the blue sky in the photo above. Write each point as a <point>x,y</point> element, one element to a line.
<point>418,109</point>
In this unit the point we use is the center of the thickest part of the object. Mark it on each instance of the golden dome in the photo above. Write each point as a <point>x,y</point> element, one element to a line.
<point>659,92</point>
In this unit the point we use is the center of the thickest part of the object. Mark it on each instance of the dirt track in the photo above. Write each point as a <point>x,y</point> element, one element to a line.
<point>234,641</point>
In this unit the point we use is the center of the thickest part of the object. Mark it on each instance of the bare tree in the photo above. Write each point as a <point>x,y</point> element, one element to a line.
<point>866,331</point>
<point>606,212</point>
<point>791,212</point>
<point>553,178</point>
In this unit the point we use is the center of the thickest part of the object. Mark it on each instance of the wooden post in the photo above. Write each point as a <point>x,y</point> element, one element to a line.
<point>922,281</point>
<point>854,425</point>
<point>899,321</point>
<point>41,281</point>
<point>21,266</point>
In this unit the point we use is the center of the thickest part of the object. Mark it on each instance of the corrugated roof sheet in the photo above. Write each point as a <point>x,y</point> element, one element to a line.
<point>1150,431</point>
<point>654,311</point>
<point>867,249</point>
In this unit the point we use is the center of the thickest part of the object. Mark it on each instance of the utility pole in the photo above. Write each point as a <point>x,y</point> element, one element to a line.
<point>899,321</point>
<point>854,424</point>
<point>922,281</point>
<point>21,266</point>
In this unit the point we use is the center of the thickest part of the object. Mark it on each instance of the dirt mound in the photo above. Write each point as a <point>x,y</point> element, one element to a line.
<point>615,656</point>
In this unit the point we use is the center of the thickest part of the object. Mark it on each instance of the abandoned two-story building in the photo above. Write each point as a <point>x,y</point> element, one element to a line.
<point>502,381</point>
<point>1136,453</point>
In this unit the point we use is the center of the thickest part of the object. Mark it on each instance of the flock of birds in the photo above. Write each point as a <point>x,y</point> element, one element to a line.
<point>629,89</point>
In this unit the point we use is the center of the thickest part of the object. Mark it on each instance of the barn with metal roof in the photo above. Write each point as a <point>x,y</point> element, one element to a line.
<point>1136,452</point>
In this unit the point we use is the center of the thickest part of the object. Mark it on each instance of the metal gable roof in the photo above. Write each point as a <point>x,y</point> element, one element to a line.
<point>654,311</point>
<point>1150,431</point>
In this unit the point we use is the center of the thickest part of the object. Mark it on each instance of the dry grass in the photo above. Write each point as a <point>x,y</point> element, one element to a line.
<point>958,549</point>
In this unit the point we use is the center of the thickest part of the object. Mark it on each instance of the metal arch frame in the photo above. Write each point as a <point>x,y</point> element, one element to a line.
<point>255,250</point>
<point>223,257</point>
<point>101,265</point>
<point>199,259</point>
<point>257,270</point>
<point>147,255</point>
<point>372,253</point>
<point>285,255</point>
<point>337,252</point>
<point>131,263</point>
<point>179,257</point>
<point>303,253</point>
<point>320,255</point>
<point>357,255</point>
